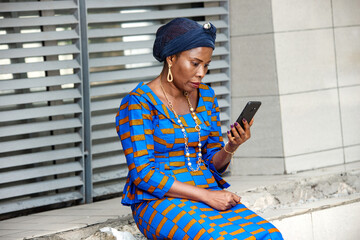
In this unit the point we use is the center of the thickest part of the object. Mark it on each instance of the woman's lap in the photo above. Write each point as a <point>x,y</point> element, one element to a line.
<point>174,218</point>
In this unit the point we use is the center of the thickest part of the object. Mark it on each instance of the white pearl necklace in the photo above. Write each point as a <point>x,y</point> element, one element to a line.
<point>197,128</point>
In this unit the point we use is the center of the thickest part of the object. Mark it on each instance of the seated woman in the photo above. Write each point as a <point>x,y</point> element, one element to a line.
<point>171,135</point>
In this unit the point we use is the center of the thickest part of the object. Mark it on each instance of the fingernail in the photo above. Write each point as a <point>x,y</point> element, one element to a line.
<point>236,124</point>
<point>244,120</point>
<point>228,132</point>
<point>231,126</point>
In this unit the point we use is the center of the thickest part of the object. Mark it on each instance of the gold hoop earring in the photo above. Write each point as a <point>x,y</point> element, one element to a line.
<point>170,77</point>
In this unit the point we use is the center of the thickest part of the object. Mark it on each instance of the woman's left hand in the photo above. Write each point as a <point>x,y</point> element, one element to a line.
<point>239,135</point>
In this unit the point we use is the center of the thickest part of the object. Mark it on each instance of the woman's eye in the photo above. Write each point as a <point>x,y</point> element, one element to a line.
<point>195,64</point>
<point>207,65</point>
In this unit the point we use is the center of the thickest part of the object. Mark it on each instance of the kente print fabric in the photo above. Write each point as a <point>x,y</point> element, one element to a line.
<point>154,148</point>
<point>174,218</point>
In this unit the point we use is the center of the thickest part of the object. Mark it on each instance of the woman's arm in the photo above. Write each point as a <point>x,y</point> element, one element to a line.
<point>135,130</point>
<point>222,158</point>
<point>220,200</point>
<point>216,155</point>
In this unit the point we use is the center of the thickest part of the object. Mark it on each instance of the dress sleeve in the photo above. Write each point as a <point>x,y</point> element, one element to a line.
<point>215,140</point>
<point>135,130</point>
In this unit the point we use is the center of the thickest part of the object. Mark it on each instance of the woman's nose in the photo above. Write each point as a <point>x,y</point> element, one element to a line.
<point>202,71</point>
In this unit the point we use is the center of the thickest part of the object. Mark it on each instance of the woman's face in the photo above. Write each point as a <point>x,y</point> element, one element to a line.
<point>189,67</point>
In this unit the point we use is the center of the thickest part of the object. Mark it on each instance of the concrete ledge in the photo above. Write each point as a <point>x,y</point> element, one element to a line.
<point>297,204</point>
<point>314,205</point>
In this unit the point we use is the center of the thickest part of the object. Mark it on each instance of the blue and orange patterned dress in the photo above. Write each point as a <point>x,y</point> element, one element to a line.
<point>155,152</point>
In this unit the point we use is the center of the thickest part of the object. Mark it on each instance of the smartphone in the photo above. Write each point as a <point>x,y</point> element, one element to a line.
<point>248,112</point>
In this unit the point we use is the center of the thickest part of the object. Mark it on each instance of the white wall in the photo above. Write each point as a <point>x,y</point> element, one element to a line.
<point>302,60</point>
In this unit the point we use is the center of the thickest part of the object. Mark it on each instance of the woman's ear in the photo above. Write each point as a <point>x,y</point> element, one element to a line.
<point>170,60</point>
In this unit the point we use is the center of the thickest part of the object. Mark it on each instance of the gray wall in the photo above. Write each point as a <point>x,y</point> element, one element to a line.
<point>302,60</point>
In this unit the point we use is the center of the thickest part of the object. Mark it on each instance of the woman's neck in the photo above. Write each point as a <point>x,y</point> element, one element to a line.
<point>172,90</point>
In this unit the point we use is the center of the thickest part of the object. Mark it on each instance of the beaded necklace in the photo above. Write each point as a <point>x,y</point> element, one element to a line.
<point>197,128</point>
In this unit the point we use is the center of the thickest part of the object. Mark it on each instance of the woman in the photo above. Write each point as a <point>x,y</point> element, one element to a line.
<point>171,135</point>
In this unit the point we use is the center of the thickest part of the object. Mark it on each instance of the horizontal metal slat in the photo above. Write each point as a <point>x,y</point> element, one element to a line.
<point>39,127</point>
<point>109,161</point>
<point>106,133</point>
<point>39,66</point>
<point>220,51</point>
<point>117,32</point>
<point>216,77</point>
<point>219,24</point>
<point>221,90</point>
<point>39,97</point>
<point>37,172</point>
<point>129,3</point>
<point>105,105</point>
<point>29,113</point>
<point>122,60</point>
<point>106,188</point>
<point>16,145</point>
<point>130,74</point>
<point>219,64</point>
<point>154,15</point>
<point>16,205</point>
<point>119,46</point>
<point>120,172</point>
<point>224,116</point>
<point>38,51</point>
<point>103,119</point>
<point>221,37</point>
<point>106,147</point>
<point>37,21</point>
<point>39,82</point>
<point>38,187</point>
<point>38,36</point>
<point>223,103</point>
<point>36,6</point>
<point>118,89</point>
<point>39,157</point>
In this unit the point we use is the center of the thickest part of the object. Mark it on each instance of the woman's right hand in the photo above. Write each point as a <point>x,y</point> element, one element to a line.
<point>221,200</point>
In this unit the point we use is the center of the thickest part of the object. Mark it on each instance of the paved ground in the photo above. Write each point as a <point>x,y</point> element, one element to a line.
<point>272,196</point>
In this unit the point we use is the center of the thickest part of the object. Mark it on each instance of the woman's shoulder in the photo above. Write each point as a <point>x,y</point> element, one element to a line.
<point>137,94</point>
<point>141,96</point>
<point>139,90</point>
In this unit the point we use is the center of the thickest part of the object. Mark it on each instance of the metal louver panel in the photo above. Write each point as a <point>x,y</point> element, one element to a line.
<point>41,121</point>
<point>64,68</point>
<point>121,36</point>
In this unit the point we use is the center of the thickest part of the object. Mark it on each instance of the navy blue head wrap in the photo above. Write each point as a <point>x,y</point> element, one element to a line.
<point>182,34</point>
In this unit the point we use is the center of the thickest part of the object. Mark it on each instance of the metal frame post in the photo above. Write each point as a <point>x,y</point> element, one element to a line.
<point>86,100</point>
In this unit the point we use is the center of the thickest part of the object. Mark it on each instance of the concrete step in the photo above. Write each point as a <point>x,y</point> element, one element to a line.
<point>319,204</point>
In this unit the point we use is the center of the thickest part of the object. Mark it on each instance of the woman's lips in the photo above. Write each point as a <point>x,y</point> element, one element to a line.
<point>195,84</point>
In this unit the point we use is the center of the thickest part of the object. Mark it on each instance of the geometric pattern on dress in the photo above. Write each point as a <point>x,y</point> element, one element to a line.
<point>154,144</point>
<point>174,218</point>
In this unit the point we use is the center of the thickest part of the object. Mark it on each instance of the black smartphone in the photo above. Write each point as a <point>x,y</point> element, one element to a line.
<point>248,112</point>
